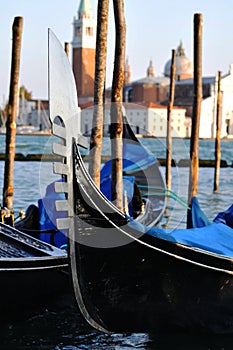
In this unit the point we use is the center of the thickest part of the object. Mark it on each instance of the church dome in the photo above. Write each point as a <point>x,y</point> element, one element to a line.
<point>184,66</point>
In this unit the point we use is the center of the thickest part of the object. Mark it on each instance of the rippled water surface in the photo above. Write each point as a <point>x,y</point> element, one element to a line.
<point>65,329</point>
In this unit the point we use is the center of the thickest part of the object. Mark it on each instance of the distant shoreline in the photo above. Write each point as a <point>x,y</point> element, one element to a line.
<point>139,136</point>
<point>50,157</point>
<point>38,133</point>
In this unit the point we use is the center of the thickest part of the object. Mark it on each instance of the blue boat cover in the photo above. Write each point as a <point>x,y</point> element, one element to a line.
<point>48,216</point>
<point>128,186</point>
<point>199,219</point>
<point>216,237</point>
<point>226,217</point>
<point>135,157</point>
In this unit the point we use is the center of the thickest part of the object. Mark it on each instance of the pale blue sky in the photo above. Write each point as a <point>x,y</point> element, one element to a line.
<point>154,28</point>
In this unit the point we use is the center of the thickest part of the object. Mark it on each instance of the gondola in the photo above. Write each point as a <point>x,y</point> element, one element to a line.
<point>34,269</point>
<point>128,276</point>
<point>33,274</point>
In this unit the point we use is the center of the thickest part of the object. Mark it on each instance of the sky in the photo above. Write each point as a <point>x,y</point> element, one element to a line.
<point>154,28</point>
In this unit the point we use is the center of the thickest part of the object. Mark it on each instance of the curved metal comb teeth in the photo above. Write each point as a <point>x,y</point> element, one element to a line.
<point>65,119</point>
<point>63,105</point>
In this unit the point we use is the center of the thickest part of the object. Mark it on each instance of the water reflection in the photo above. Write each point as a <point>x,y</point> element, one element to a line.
<point>67,330</point>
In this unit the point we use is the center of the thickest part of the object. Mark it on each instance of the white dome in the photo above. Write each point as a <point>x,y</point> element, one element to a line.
<point>184,66</point>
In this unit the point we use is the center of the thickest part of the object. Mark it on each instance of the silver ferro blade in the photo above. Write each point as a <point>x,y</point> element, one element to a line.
<point>64,112</point>
<point>63,106</point>
<point>62,88</point>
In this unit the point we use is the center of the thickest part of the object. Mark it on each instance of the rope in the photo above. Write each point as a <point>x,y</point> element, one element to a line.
<point>167,193</point>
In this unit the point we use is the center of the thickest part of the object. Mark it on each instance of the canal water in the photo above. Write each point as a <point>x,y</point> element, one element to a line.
<point>65,329</point>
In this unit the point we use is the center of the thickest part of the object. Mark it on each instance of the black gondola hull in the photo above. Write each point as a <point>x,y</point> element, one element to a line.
<point>27,290</point>
<point>33,275</point>
<point>132,288</point>
<point>128,281</point>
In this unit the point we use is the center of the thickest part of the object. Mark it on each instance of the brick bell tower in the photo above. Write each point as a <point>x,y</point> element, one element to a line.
<point>83,51</point>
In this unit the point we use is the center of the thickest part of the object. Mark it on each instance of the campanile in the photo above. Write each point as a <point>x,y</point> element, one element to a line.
<point>83,51</point>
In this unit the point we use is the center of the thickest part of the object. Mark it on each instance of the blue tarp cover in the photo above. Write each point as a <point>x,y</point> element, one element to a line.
<point>199,219</point>
<point>128,186</point>
<point>226,217</point>
<point>135,157</point>
<point>48,216</point>
<point>215,237</point>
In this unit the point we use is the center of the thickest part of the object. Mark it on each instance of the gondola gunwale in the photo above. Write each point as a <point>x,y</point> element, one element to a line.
<point>40,254</point>
<point>34,262</point>
<point>29,242</point>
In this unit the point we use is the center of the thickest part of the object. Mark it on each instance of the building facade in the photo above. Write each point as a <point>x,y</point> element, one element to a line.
<point>154,88</point>
<point>184,99</point>
<point>147,119</point>
<point>148,89</point>
<point>33,116</point>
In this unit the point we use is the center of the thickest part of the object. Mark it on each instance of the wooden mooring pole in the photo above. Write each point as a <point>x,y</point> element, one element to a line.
<point>197,99</point>
<point>67,48</point>
<point>8,190</point>
<point>99,91</point>
<point>116,130</point>
<point>169,112</point>
<point>218,134</point>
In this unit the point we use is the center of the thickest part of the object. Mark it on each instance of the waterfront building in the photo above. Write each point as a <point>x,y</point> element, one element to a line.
<point>184,99</point>
<point>148,119</point>
<point>33,116</point>
<point>151,88</point>
<point>154,88</point>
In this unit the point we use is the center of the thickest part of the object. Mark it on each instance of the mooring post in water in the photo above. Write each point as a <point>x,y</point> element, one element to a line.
<point>169,112</point>
<point>8,190</point>
<point>116,105</point>
<point>67,48</point>
<point>218,135</point>
<point>197,99</point>
<point>99,91</point>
